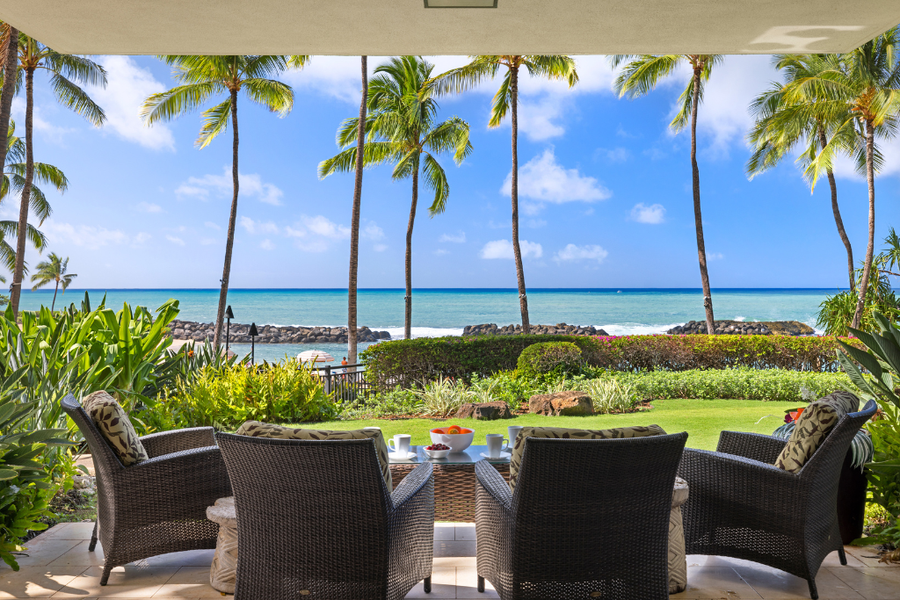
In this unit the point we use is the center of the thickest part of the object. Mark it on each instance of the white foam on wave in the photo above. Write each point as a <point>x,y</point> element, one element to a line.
<point>636,328</point>
<point>417,332</point>
<point>739,319</point>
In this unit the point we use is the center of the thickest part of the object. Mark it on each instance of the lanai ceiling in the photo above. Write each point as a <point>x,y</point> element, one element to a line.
<point>391,27</point>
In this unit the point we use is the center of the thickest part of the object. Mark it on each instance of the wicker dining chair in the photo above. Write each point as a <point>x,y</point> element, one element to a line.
<point>158,505</point>
<point>742,506</point>
<point>587,519</point>
<point>315,518</point>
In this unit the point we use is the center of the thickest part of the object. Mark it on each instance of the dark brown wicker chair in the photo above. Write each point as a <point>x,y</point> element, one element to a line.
<point>588,518</point>
<point>158,505</point>
<point>744,507</point>
<point>316,518</point>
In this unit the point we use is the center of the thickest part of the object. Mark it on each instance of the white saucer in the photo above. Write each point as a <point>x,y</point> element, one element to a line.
<point>503,456</point>
<point>398,456</point>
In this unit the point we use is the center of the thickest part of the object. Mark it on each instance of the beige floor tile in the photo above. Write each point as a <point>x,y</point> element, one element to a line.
<point>467,585</point>
<point>465,532</point>
<point>454,562</point>
<point>189,582</point>
<point>715,582</point>
<point>443,585</point>
<point>773,584</point>
<point>41,553</point>
<point>80,556</point>
<point>69,531</point>
<point>35,582</point>
<point>444,531</point>
<point>444,548</point>
<point>833,560</point>
<point>124,582</point>
<point>872,584</point>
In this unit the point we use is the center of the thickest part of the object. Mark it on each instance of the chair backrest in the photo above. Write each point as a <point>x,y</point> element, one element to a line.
<point>595,507</point>
<point>105,460</point>
<point>308,512</point>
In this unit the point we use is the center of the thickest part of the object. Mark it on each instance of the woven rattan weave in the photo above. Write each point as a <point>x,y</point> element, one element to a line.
<point>744,507</point>
<point>588,519</point>
<point>315,518</point>
<point>158,505</point>
<point>454,489</point>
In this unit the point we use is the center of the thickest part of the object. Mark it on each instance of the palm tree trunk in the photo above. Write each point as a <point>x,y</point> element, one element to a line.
<point>232,219</point>
<point>823,141</point>
<point>354,219</point>
<point>870,249</point>
<point>407,318</point>
<point>9,88</point>
<point>514,195</point>
<point>55,291</point>
<point>698,217</point>
<point>19,271</point>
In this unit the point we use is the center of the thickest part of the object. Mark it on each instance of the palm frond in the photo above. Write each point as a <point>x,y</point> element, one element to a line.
<point>436,179</point>
<point>215,121</point>
<point>179,100</point>
<point>278,97</point>
<point>73,97</point>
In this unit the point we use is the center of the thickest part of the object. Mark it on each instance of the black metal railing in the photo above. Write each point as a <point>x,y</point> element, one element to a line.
<point>345,383</point>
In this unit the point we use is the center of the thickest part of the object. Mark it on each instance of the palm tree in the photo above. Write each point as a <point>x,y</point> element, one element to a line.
<point>402,130</point>
<point>9,40</point>
<point>64,71</point>
<point>53,269</point>
<point>506,100</point>
<point>639,77</point>
<point>859,94</point>
<point>780,127</point>
<point>14,177</point>
<point>354,219</point>
<point>201,78</point>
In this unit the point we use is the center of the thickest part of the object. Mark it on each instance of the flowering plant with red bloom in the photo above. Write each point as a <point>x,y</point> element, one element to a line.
<point>792,415</point>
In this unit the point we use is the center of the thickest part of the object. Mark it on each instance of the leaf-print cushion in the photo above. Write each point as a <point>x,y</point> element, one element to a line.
<point>115,427</point>
<point>267,430</point>
<point>814,424</point>
<point>515,460</point>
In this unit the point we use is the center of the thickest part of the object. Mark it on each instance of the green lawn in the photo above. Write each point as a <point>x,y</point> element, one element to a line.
<point>702,419</point>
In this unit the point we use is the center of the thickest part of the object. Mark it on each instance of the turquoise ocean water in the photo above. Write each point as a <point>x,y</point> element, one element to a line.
<point>446,311</point>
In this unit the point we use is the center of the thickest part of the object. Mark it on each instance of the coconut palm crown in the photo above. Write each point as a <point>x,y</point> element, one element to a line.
<point>506,101</point>
<point>55,270</point>
<point>202,78</point>
<point>401,129</point>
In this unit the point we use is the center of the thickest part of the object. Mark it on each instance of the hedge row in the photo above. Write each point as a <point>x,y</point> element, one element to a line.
<point>409,363</point>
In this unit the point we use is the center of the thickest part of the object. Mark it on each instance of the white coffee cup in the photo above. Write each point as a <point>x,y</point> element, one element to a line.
<point>513,431</point>
<point>400,443</point>
<point>495,444</point>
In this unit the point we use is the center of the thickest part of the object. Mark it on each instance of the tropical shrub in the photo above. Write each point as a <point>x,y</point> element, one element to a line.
<point>225,397</point>
<point>549,359</point>
<point>413,363</point>
<point>610,395</point>
<point>443,397</point>
<point>395,403</point>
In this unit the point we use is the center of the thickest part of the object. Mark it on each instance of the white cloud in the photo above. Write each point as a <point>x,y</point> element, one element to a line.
<point>613,155</point>
<point>149,207</point>
<point>175,240</point>
<point>441,252</point>
<point>379,247</point>
<point>544,180</point>
<point>459,238</point>
<point>41,125</point>
<point>208,241</point>
<point>212,225</point>
<point>536,119</point>
<point>254,227</point>
<point>128,85</point>
<point>316,234</point>
<point>504,249</point>
<point>267,245</point>
<point>88,236</point>
<point>536,223</point>
<point>575,253</point>
<point>652,215</point>
<point>715,256</point>
<point>141,237</point>
<point>371,231</point>
<point>222,185</point>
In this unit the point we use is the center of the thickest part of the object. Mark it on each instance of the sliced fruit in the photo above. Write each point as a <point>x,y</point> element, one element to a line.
<point>454,430</point>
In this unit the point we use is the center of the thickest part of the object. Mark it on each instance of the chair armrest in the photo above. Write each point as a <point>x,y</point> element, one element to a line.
<point>167,442</point>
<point>763,448</point>
<point>412,485</point>
<point>494,483</point>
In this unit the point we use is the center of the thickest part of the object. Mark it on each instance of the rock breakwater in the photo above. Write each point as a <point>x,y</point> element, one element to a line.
<point>795,328</point>
<point>558,329</point>
<point>270,334</point>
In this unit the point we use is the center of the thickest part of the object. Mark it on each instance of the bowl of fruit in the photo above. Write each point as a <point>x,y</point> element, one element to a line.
<point>437,451</point>
<point>455,437</point>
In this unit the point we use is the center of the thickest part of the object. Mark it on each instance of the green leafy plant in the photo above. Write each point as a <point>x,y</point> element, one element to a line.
<point>549,359</point>
<point>443,397</point>
<point>395,403</point>
<point>610,395</point>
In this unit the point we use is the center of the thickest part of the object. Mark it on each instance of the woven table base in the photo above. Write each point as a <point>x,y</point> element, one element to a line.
<point>454,489</point>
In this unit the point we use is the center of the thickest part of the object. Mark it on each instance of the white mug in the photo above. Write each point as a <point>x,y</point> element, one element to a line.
<point>513,431</point>
<point>401,443</point>
<point>495,444</point>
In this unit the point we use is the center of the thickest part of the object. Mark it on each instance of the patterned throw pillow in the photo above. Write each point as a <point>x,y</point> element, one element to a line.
<point>115,427</point>
<point>814,424</point>
<point>515,460</point>
<point>267,430</point>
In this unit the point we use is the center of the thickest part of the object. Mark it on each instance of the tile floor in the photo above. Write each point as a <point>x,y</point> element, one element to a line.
<point>58,565</point>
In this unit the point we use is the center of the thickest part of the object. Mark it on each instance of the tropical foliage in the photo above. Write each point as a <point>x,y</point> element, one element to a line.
<point>53,270</point>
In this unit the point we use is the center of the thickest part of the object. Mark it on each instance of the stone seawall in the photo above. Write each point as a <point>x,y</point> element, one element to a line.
<point>795,328</point>
<point>270,334</point>
<point>558,329</point>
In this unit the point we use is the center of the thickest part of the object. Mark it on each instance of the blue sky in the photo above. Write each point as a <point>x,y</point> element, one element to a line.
<point>605,191</point>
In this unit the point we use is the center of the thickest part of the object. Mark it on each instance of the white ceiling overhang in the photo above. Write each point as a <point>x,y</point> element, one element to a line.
<point>392,27</point>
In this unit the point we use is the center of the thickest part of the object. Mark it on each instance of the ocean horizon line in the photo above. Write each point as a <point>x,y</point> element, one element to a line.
<point>446,289</point>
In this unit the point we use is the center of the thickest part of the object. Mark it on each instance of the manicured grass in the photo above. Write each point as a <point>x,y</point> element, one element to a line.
<point>702,419</point>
